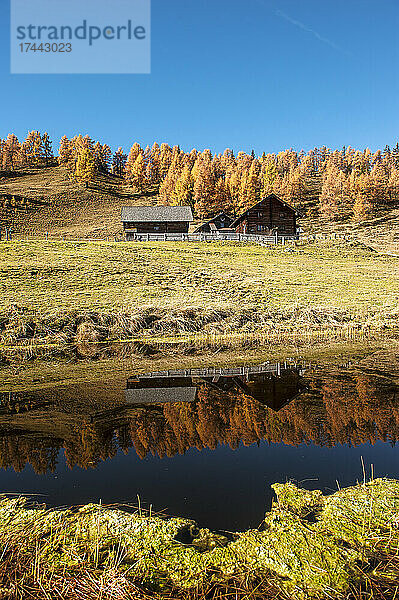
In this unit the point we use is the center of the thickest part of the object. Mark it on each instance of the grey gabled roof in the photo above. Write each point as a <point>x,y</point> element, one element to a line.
<point>156,213</point>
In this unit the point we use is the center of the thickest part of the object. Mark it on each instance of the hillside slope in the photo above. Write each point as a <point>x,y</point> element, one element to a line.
<point>46,200</point>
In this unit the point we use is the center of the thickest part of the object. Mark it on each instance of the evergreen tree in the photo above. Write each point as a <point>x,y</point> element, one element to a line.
<point>119,162</point>
<point>47,148</point>
<point>106,155</point>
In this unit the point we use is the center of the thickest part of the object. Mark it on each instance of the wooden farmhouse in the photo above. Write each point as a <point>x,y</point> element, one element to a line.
<point>221,221</point>
<point>267,217</point>
<point>138,220</point>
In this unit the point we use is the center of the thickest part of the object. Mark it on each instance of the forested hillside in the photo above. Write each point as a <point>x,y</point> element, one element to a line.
<point>80,188</point>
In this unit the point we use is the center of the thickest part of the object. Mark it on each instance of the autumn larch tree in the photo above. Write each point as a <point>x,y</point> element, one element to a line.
<point>11,153</point>
<point>85,166</point>
<point>184,189</point>
<point>204,185</point>
<point>332,192</point>
<point>153,168</point>
<point>32,148</point>
<point>67,155</point>
<point>363,201</point>
<point>233,191</point>
<point>137,173</point>
<point>393,185</point>
<point>269,174</point>
<point>135,150</point>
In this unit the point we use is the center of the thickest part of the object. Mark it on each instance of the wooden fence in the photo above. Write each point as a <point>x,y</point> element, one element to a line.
<point>263,240</point>
<point>209,237</point>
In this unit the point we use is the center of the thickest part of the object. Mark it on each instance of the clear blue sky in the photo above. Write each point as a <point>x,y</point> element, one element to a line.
<point>242,74</point>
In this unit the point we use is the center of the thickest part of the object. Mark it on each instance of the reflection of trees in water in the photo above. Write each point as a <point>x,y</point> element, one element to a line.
<point>90,446</point>
<point>19,450</point>
<point>335,410</point>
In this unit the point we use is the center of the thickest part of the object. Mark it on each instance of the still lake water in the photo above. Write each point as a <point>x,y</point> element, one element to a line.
<point>205,444</point>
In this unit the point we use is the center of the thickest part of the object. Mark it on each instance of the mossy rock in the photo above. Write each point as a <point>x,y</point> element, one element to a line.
<point>297,500</point>
<point>304,558</point>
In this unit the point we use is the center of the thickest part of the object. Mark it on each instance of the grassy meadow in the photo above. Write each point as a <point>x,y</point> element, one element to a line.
<point>199,286</point>
<point>108,275</point>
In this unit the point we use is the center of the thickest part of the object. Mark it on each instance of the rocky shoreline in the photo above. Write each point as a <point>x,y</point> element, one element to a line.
<point>309,546</point>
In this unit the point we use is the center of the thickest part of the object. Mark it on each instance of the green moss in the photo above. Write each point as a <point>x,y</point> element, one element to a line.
<point>303,557</point>
<point>299,501</point>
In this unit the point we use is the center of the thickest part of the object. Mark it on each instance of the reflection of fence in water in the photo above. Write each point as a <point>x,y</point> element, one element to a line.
<point>274,384</point>
<point>331,408</point>
<point>18,402</point>
<point>276,368</point>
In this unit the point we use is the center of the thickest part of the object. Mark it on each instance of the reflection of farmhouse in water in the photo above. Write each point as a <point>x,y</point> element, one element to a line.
<point>168,412</point>
<point>271,384</point>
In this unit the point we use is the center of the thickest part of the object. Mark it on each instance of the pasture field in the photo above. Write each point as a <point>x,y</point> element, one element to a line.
<point>191,297</point>
<point>104,276</point>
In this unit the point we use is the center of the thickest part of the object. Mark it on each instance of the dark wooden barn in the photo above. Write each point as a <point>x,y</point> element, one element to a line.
<point>268,216</point>
<point>221,221</point>
<point>155,219</point>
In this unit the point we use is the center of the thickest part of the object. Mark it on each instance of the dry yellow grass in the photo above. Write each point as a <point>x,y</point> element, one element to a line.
<point>45,276</point>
